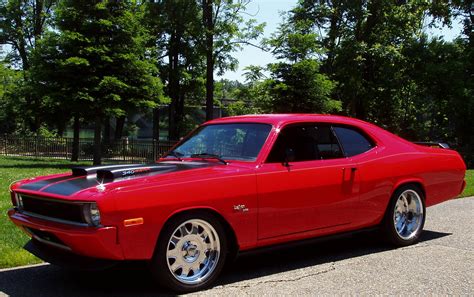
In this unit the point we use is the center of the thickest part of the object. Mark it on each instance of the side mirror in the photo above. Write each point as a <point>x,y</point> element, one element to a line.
<point>288,157</point>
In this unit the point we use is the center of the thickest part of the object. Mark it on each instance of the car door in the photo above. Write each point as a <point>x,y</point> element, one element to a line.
<point>306,183</point>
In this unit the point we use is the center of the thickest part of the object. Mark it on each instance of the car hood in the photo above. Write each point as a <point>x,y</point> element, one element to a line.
<point>100,177</point>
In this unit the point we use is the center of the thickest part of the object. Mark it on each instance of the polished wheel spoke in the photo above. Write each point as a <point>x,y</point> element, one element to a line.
<point>173,253</point>
<point>193,251</point>
<point>183,230</point>
<point>408,214</point>
<point>175,266</point>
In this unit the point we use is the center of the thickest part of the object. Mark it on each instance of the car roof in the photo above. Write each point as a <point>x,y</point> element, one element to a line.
<point>282,119</point>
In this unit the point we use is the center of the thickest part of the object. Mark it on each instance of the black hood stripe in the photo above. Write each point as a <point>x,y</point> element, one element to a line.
<point>36,186</point>
<point>72,186</point>
<point>69,185</point>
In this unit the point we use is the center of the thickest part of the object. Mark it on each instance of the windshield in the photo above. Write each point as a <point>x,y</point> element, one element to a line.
<point>241,141</point>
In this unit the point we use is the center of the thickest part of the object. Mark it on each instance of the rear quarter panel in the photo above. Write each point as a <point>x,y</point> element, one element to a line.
<point>395,162</point>
<point>443,175</point>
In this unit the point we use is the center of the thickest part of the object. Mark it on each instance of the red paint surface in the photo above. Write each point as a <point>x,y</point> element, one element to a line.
<point>307,199</point>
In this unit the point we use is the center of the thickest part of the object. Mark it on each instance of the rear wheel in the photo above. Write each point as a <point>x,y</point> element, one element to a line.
<point>405,216</point>
<point>191,252</point>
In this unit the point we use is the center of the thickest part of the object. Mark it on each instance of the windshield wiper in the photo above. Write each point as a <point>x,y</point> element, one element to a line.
<point>175,154</point>
<point>209,156</point>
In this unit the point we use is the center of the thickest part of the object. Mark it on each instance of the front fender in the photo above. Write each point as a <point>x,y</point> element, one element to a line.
<point>155,205</point>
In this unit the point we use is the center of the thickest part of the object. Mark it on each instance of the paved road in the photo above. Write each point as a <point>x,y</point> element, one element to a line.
<point>442,263</point>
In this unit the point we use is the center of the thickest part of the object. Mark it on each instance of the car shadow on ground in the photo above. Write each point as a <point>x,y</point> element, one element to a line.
<point>133,279</point>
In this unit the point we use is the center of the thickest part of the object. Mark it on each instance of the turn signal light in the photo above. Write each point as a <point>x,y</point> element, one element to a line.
<point>133,222</point>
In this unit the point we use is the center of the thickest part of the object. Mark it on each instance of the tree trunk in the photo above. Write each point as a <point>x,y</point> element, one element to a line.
<point>75,139</point>
<point>174,87</point>
<point>209,86</point>
<point>364,33</point>
<point>98,140</point>
<point>209,29</point>
<point>119,123</point>
<point>156,123</point>
<point>332,36</point>
<point>38,20</point>
<point>107,130</point>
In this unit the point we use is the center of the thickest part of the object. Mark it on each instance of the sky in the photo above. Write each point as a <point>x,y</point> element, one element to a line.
<point>268,11</point>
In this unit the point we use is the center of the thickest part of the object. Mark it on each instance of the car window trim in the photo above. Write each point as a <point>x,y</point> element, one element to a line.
<point>306,124</point>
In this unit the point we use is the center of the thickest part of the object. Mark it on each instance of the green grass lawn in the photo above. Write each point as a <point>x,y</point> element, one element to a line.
<point>469,190</point>
<point>15,168</point>
<point>11,238</point>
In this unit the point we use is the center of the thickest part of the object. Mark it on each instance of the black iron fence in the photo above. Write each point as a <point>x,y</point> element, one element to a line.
<point>124,150</point>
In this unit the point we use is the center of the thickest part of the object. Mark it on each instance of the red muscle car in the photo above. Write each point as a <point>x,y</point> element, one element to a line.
<point>236,184</point>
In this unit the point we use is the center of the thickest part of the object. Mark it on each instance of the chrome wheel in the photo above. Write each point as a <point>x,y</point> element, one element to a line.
<point>193,251</point>
<point>408,214</point>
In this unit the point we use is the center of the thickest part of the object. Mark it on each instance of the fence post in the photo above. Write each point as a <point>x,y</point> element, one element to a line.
<point>66,148</point>
<point>132,151</point>
<point>154,149</point>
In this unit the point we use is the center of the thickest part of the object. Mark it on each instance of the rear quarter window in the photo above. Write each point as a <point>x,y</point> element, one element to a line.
<point>353,142</point>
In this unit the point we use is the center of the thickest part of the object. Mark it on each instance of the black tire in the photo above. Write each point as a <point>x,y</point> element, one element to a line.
<point>389,228</point>
<point>159,264</point>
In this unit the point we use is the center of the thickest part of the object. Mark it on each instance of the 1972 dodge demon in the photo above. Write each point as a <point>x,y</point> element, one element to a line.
<point>236,184</point>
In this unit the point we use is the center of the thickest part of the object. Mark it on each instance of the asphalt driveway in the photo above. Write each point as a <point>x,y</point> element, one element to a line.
<point>442,263</point>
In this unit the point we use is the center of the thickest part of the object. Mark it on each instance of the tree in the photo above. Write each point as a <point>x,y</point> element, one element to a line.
<point>22,24</point>
<point>10,106</point>
<point>387,69</point>
<point>225,31</point>
<point>300,87</point>
<point>296,83</point>
<point>95,65</point>
<point>176,28</point>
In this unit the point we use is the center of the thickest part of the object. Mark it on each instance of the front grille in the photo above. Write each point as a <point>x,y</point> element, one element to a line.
<point>64,211</point>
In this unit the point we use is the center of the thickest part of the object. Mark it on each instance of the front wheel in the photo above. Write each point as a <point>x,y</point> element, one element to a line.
<point>191,252</point>
<point>405,216</point>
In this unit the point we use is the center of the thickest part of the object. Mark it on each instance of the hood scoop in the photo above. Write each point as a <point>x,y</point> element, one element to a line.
<point>113,173</point>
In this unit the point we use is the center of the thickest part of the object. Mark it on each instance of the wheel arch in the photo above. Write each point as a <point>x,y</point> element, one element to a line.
<point>231,236</point>
<point>405,182</point>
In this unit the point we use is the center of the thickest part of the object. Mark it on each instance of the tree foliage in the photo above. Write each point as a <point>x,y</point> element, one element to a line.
<point>22,24</point>
<point>96,59</point>
<point>388,71</point>
<point>296,83</point>
<point>79,61</point>
<point>176,29</point>
<point>225,31</point>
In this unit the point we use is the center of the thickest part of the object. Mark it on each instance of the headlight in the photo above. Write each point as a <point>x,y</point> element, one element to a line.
<point>19,199</point>
<point>16,200</point>
<point>91,214</point>
<point>13,197</point>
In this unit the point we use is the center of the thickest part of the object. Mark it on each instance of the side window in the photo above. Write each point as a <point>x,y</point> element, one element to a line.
<point>307,142</point>
<point>328,146</point>
<point>353,142</point>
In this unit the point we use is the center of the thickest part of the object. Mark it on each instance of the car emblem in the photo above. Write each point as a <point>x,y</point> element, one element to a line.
<point>240,208</point>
